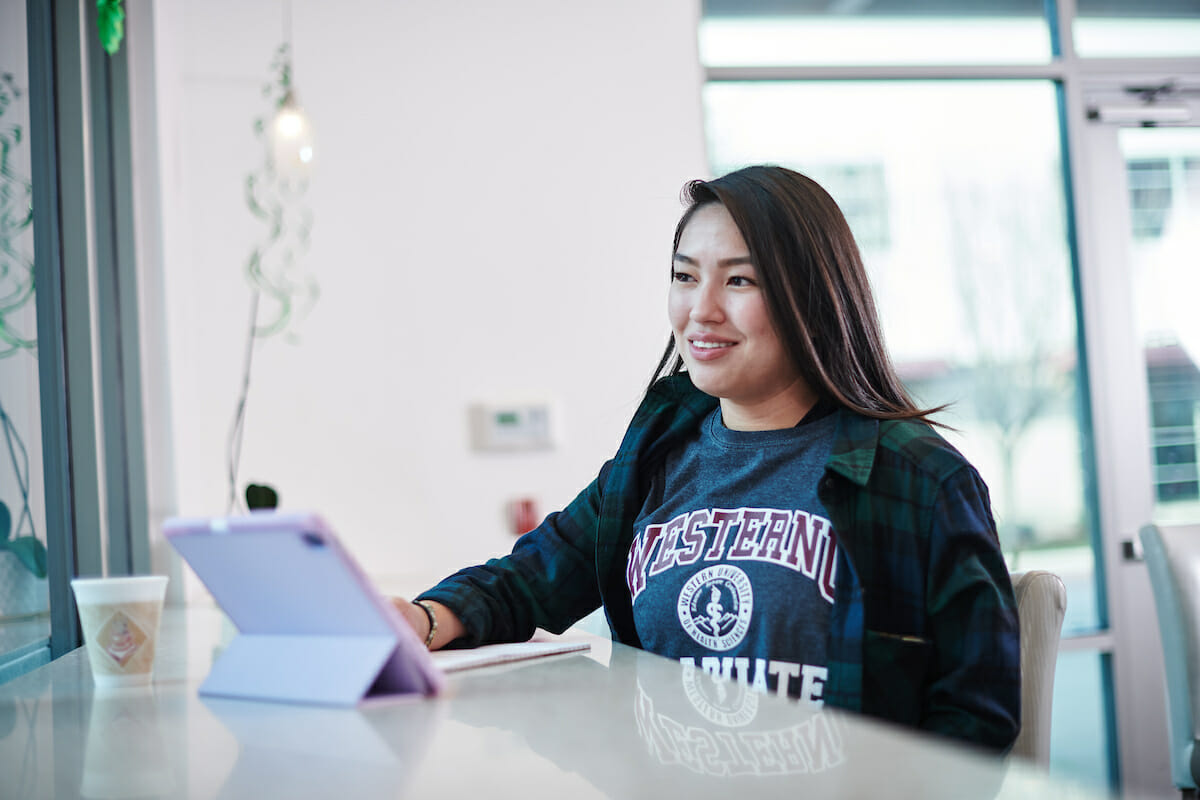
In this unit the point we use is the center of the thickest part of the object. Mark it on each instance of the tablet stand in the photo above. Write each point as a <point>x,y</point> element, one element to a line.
<point>324,670</point>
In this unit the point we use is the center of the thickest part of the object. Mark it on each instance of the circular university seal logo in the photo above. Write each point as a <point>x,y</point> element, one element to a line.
<point>715,605</point>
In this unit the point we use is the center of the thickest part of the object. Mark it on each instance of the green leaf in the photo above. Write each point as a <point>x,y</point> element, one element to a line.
<point>30,552</point>
<point>261,496</point>
<point>5,522</point>
<point>111,22</point>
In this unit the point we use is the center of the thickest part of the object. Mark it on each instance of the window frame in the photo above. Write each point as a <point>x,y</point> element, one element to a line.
<point>85,273</point>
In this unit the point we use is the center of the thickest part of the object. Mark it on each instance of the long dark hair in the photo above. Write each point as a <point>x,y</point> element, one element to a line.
<point>815,286</point>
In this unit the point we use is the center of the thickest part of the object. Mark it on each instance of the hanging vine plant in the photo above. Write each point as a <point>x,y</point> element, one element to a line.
<point>274,194</point>
<point>110,21</point>
<point>283,291</point>
<point>16,293</point>
<point>16,217</point>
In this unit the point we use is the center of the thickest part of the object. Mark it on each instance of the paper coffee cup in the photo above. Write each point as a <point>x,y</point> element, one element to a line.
<point>120,619</point>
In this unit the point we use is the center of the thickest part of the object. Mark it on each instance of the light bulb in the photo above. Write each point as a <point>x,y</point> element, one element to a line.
<point>288,123</point>
<point>290,137</point>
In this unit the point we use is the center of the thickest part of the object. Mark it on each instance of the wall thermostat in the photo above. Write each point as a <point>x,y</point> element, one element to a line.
<point>511,427</point>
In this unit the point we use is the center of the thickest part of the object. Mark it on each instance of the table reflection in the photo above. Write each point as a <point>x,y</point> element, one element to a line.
<point>646,726</point>
<point>716,727</point>
<point>380,745</point>
<point>126,754</point>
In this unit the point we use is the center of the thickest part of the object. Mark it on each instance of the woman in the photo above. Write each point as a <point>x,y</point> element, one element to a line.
<point>779,512</point>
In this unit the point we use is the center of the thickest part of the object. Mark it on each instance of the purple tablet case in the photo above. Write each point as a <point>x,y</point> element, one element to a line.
<point>311,627</point>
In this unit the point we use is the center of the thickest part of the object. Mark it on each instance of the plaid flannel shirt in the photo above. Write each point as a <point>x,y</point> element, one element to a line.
<point>923,628</point>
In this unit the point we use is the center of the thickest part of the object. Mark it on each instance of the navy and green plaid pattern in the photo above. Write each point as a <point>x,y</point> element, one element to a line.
<point>924,626</point>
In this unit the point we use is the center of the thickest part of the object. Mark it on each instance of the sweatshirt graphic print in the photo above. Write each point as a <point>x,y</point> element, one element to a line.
<point>732,568</point>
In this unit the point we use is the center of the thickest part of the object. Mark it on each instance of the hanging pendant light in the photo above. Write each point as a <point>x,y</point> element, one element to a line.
<point>291,138</point>
<point>290,134</point>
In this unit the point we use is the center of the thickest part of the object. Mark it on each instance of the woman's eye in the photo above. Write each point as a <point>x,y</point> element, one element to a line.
<point>680,277</point>
<point>741,280</point>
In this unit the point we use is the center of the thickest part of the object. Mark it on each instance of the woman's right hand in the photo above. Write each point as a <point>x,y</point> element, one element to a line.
<point>448,626</point>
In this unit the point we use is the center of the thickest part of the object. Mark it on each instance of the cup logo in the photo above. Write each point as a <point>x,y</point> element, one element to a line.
<point>120,637</point>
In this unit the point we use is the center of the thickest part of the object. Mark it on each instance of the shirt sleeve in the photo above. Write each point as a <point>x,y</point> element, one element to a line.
<point>974,689</point>
<point>548,580</point>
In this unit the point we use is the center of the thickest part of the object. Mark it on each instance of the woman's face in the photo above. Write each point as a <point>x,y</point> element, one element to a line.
<point>723,330</point>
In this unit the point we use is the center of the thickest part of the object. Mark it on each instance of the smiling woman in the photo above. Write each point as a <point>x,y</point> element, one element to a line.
<point>779,512</point>
<point>807,285</point>
<point>723,330</point>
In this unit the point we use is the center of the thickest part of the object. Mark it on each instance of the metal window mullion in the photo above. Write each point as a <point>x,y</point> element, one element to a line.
<point>1147,68</point>
<point>51,345</point>
<point>896,72</point>
<point>1067,68</point>
<point>128,292</point>
<point>108,374</point>
<point>59,148</point>
<point>75,232</point>
<point>120,373</point>
<point>112,423</point>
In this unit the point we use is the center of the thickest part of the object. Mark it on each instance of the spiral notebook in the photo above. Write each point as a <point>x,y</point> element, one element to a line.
<point>490,654</point>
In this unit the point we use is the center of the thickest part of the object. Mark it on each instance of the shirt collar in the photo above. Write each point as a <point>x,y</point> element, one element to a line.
<point>854,443</point>
<point>854,446</point>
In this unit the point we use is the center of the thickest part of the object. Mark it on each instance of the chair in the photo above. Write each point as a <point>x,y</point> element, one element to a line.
<point>1172,556</point>
<point>1041,605</point>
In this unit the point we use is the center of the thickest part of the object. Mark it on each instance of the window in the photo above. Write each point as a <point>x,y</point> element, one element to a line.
<point>774,33</point>
<point>58,403</point>
<point>1125,28</point>
<point>1150,195</point>
<point>24,592</point>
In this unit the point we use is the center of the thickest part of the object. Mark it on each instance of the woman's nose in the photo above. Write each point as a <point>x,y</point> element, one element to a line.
<point>706,306</point>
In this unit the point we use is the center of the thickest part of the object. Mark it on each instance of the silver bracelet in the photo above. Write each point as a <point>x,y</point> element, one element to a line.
<point>428,607</point>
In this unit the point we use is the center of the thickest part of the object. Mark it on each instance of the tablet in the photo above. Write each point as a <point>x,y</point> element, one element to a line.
<point>311,626</point>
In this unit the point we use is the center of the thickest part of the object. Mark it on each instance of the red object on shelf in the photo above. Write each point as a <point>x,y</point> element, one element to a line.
<point>524,515</point>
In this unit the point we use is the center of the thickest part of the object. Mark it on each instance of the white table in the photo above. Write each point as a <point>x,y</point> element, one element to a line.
<point>614,722</point>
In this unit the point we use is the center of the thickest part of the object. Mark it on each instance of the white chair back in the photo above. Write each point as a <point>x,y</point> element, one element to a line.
<point>1041,605</point>
<point>1172,554</point>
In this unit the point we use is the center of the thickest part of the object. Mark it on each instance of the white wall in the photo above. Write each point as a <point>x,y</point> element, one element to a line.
<point>494,194</point>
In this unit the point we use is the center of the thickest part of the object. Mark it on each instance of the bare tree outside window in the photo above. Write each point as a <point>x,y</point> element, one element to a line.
<point>1014,284</point>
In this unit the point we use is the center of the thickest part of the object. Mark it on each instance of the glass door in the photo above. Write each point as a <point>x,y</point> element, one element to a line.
<point>1162,169</point>
<point>1141,207</point>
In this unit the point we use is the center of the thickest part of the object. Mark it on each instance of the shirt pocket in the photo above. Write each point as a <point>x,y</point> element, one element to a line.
<point>894,675</point>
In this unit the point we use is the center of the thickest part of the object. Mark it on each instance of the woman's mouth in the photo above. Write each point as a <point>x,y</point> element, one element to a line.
<point>707,349</point>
